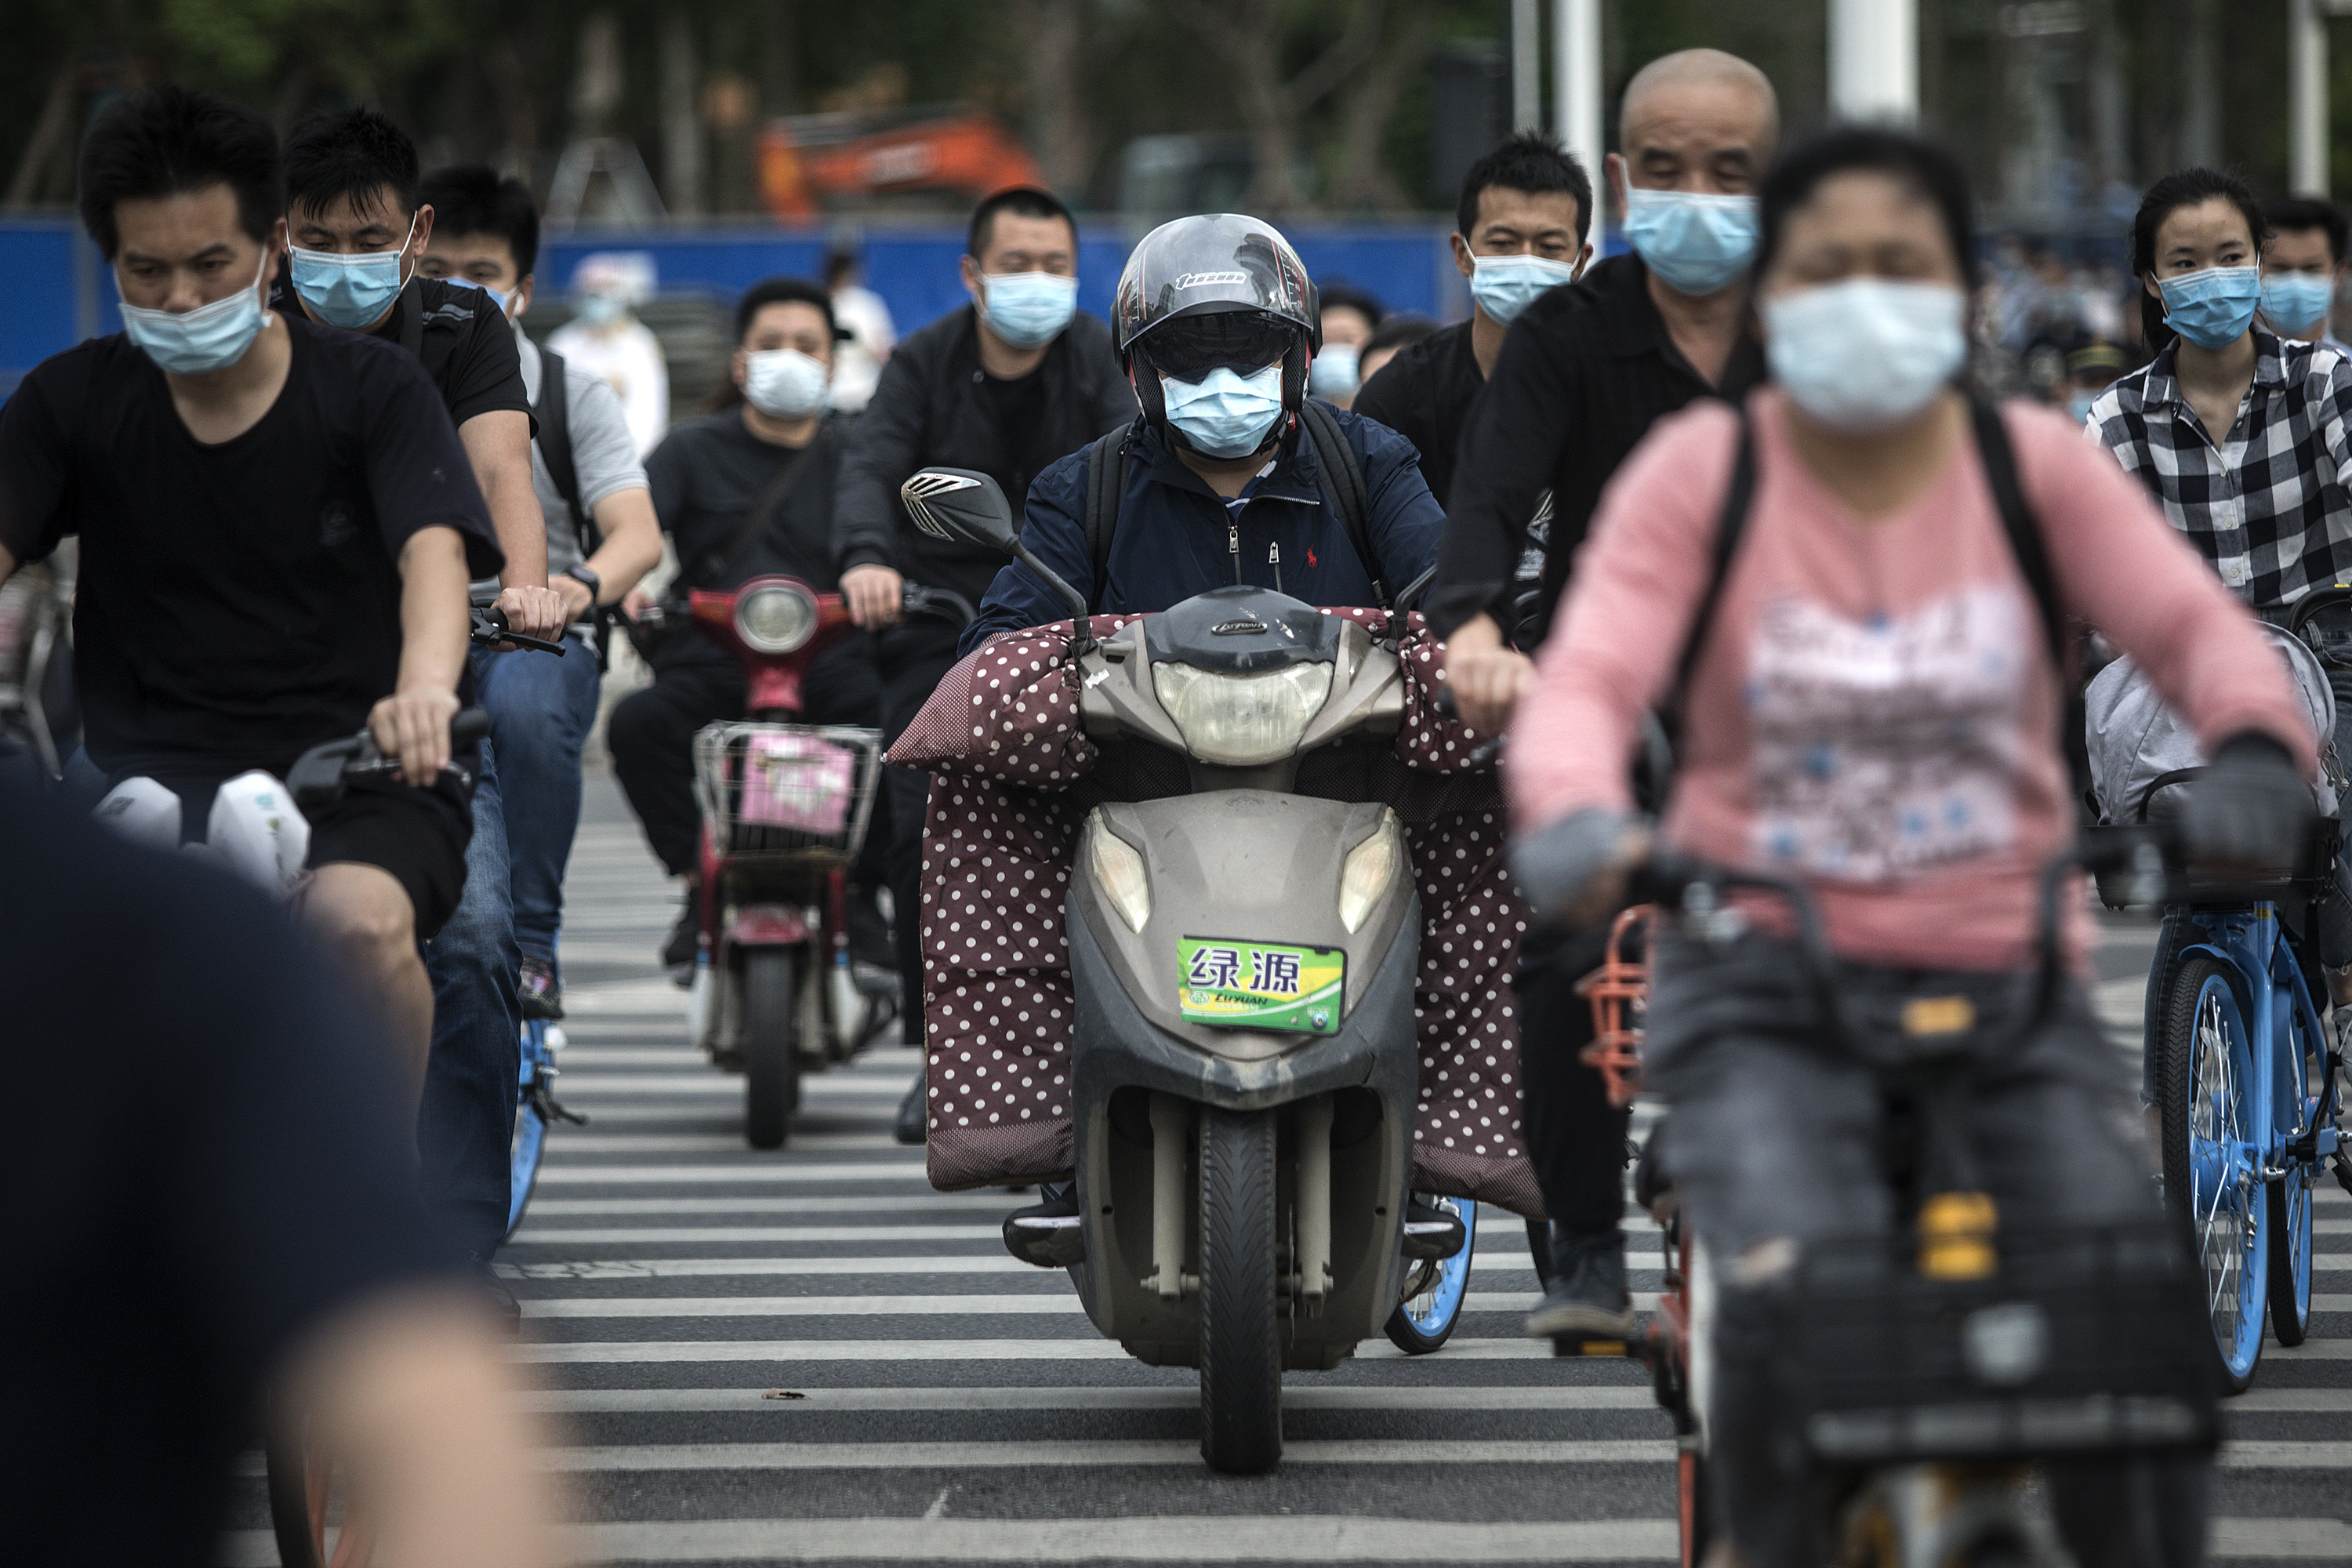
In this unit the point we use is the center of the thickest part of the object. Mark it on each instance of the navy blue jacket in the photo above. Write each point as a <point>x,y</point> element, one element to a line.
<point>1173,539</point>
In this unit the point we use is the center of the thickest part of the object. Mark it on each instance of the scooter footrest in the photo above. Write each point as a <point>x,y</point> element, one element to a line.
<point>1048,1241</point>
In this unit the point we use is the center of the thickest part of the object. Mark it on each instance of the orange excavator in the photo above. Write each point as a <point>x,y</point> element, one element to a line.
<point>807,160</point>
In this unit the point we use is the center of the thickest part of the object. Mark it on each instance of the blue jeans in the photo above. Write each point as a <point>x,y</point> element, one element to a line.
<point>465,1129</point>
<point>541,709</point>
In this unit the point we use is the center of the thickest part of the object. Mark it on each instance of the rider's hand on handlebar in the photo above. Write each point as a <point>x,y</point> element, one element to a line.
<point>2252,810</point>
<point>1577,869</point>
<point>1486,678</point>
<point>413,726</point>
<point>874,593</point>
<point>534,611</point>
<point>635,603</point>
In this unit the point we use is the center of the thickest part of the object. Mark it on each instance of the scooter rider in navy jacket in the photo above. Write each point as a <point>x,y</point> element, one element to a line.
<point>1222,481</point>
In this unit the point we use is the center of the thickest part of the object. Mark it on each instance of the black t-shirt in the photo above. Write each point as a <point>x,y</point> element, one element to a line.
<point>204,1167</point>
<point>708,472</point>
<point>1424,395</point>
<point>238,603</point>
<point>463,339</point>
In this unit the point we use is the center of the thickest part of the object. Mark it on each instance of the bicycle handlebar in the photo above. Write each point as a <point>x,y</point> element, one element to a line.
<point>319,774</point>
<point>489,630</point>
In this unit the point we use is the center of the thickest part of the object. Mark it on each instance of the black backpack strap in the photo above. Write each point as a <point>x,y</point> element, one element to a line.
<point>554,411</point>
<point>1106,484</point>
<point>2025,542</point>
<point>1343,482</point>
<point>1731,524</point>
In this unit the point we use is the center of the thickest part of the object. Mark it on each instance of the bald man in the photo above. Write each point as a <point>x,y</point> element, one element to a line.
<point>1583,373</point>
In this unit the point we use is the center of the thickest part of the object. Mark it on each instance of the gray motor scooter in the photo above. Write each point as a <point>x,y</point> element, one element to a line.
<point>1243,1062</point>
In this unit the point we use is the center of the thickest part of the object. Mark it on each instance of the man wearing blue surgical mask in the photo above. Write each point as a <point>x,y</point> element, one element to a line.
<point>2303,268</point>
<point>1583,373</point>
<point>356,234</point>
<point>1521,228</point>
<point>1005,386</point>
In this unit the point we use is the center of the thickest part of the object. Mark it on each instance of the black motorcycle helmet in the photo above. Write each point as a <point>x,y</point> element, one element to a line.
<point>1220,288</point>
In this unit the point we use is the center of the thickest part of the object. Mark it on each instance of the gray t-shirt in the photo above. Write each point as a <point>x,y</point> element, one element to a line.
<point>603,456</point>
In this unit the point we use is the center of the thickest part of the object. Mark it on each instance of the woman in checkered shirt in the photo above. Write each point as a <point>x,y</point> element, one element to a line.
<point>2245,439</point>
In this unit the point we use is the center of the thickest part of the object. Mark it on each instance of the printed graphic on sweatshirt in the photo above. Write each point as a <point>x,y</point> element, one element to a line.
<point>1889,747</point>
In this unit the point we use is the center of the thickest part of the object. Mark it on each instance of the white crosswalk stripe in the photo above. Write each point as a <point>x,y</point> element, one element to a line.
<point>812,1356</point>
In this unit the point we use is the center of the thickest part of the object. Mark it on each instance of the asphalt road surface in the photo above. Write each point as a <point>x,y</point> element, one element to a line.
<point>810,1356</point>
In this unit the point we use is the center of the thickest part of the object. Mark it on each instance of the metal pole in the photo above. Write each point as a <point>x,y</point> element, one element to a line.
<point>1875,59</point>
<point>1526,67</point>
<point>1576,98</point>
<point>2306,66</point>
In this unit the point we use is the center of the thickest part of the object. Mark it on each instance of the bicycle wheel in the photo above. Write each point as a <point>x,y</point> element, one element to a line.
<point>2303,1081</point>
<point>1241,1350</point>
<point>530,1141</point>
<point>1425,1319</point>
<point>2212,1152</point>
<point>306,1510</point>
<point>772,1062</point>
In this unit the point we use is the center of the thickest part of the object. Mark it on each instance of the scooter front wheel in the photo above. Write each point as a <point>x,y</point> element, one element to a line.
<point>1425,1319</point>
<point>1241,1352</point>
<point>772,1062</point>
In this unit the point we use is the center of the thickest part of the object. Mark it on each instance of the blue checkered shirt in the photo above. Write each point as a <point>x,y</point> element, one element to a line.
<point>2269,505</point>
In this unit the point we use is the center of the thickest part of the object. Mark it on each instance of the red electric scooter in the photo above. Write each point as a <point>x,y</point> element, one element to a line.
<point>784,810</point>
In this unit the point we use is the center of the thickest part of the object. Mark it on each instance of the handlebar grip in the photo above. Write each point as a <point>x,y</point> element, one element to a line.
<point>470,725</point>
<point>490,629</point>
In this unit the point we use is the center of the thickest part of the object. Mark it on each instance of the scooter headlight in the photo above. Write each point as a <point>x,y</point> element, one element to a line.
<point>1119,872</point>
<point>1366,873</point>
<point>1242,721</point>
<point>776,618</point>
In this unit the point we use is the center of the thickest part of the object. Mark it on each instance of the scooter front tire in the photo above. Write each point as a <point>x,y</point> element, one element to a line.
<point>1241,1350</point>
<point>772,1062</point>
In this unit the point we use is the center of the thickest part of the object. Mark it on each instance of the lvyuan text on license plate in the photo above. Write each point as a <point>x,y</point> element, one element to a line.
<point>1260,984</point>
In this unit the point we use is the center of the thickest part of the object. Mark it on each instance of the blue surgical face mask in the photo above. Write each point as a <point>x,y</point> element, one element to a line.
<point>202,340</point>
<point>1027,308</point>
<point>2294,299</point>
<point>497,297</point>
<point>1695,243</point>
<point>784,383</point>
<point>1505,285</point>
<point>349,291</point>
<point>1866,353</point>
<point>1225,414</point>
<point>602,309</point>
<point>2212,308</point>
<point>2078,404</point>
<point>1335,370</point>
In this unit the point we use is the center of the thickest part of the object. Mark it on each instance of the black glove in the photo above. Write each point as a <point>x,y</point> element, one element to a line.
<point>2251,809</point>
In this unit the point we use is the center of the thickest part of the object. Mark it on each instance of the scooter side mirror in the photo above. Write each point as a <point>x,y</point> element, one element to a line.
<point>960,505</point>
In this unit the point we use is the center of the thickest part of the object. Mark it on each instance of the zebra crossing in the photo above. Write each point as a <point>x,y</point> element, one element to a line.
<point>810,1356</point>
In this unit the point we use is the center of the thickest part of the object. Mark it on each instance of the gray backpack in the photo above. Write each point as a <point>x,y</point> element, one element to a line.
<point>2136,742</point>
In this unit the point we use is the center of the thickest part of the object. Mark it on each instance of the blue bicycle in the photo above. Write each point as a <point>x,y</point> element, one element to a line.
<point>536,1109</point>
<point>1425,1319</point>
<point>2246,1076</point>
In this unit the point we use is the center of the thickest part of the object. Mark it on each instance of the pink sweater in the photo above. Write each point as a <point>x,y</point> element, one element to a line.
<point>1874,709</point>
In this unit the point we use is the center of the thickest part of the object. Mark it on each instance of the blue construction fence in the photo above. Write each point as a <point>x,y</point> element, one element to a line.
<point>58,290</point>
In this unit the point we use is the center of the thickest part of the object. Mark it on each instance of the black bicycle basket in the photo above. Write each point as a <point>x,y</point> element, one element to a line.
<point>2083,1342</point>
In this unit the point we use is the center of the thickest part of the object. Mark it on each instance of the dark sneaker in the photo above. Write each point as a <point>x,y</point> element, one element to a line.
<point>1047,1234</point>
<point>541,993</point>
<point>1431,1232</point>
<point>914,1113</point>
<point>677,953</point>
<point>1586,1292</point>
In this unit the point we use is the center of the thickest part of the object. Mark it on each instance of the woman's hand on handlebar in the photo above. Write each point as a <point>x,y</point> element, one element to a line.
<point>875,594</point>
<point>413,727</point>
<point>1579,869</point>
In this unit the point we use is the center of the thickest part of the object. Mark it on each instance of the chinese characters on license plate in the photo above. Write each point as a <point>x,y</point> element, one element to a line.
<point>1260,984</point>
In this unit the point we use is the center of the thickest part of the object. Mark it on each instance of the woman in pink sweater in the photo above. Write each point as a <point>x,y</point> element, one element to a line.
<point>1871,707</point>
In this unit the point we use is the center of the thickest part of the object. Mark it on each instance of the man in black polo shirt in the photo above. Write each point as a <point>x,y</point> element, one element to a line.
<point>1005,386</point>
<point>1583,374</point>
<point>1525,208</point>
<point>356,233</point>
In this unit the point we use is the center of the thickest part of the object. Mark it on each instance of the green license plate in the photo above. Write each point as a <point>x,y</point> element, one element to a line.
<point>1260,984</point>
